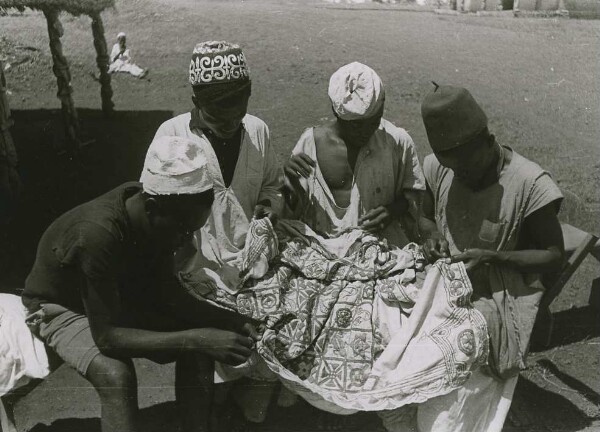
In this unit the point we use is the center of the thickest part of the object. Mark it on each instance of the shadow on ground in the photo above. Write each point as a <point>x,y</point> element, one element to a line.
<point>574,325</point>
<point>54,182</point>
<point>156,418</point>
<point>570,326</point>
<point>563,415</point>
<point>534,408</point>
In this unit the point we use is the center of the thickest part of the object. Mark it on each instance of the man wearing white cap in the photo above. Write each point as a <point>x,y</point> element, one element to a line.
<point>358,170</point>
<point>103,291</point>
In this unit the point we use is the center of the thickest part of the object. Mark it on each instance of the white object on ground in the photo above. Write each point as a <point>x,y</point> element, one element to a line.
<point>22,356</point>
<point>124,63</point>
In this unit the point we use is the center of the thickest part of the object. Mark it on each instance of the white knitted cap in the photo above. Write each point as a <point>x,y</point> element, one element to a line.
<point>175,166</point>
<point>355,91</point>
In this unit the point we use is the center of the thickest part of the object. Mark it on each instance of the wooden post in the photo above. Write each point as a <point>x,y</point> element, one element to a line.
<point>60,67</point>
<point>10,184</point>
<point>102,60</point>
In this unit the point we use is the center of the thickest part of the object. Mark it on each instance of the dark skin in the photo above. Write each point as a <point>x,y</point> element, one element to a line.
<point>123,45</point>
<point>338,144</point>
<point>211,334</point>
<point>224,119</point>
<point>476,165</point>
<point>231,343</point>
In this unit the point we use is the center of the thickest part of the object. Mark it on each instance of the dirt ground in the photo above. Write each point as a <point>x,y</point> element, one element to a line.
<point>536,78</point>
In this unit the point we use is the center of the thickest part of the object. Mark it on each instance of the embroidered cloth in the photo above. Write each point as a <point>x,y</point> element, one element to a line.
<point>352,323</point>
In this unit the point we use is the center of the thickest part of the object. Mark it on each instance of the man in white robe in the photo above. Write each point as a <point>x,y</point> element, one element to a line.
<point>247,178</point>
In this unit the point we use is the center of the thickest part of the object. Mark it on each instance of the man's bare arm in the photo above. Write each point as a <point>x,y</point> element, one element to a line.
<point>435,245</point>
<point>542,228</point>
<point>101,303</point>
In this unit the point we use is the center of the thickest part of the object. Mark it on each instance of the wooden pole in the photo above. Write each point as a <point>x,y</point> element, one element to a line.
<point>60,67</point>
<point>102,60</point>
<point>10,184</point>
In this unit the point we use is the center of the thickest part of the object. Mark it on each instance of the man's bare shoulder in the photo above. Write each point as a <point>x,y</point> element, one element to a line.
<point>326,136</point>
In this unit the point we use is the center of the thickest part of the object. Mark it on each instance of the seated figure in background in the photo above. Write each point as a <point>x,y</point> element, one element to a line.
<point>121,61</point>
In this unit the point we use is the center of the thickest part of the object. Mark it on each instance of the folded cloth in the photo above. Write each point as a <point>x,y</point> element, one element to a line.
<point>22,356</point>
<point>362,330</point>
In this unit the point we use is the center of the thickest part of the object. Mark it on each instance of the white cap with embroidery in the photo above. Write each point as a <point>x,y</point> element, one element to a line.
<point>356,92</point>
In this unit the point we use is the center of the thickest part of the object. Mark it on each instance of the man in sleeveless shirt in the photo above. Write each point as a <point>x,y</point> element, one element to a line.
<point>102,289</point>
<point>494,210</point>
<point>358,170</point>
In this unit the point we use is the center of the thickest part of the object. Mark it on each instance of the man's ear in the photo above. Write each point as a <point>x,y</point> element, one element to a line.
<point>491,139</point>
<point>150,207</point>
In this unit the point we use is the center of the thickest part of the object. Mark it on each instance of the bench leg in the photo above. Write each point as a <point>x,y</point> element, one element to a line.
<point>7,419</point>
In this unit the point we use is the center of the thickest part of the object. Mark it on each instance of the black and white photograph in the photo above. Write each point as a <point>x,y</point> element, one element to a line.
<point>299,215</point>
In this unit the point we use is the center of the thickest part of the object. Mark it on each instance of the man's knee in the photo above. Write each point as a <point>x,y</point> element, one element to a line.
<point>108,374</point>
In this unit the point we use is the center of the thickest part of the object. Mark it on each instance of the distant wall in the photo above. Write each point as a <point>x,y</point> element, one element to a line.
<point>583,8</point>
<point>575,8</point>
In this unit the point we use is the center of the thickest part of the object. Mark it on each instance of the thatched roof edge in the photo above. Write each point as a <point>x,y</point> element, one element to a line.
<point>74,7</point>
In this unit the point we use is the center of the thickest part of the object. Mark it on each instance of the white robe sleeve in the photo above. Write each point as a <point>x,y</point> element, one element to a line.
<point>272,177</point>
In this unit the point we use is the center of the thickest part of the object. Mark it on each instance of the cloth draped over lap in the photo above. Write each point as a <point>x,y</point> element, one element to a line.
<point>22,355</point>
<point>352,323</point>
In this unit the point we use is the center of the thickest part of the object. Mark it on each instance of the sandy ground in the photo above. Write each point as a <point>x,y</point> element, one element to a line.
<point>536,78</point>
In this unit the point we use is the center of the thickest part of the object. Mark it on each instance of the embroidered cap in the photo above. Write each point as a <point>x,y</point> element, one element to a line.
<point>217,62</point>
<point>175,166</point>
<point>121,35</point>
<point>356,91</point>
<point>451,117</point>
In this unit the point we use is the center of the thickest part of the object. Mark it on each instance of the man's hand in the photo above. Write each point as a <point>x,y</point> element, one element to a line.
<point>262,211</point>
<point>250,330</point>
<point>224,346</point>
<point>436,247</point>
<point>474,257</point>
<point>300,165</point>
<point>375,219</point>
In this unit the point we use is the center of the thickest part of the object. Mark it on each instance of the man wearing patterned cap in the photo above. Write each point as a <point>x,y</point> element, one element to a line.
<point>496,211</point>
<point>359,169</point>
<point>247,177</point>
<point>103,291</point>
